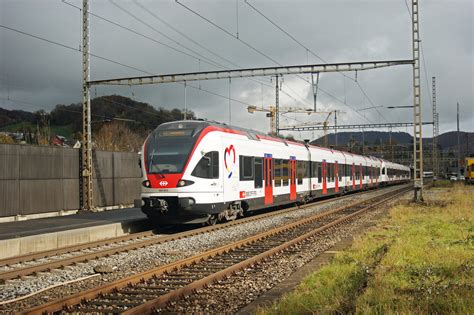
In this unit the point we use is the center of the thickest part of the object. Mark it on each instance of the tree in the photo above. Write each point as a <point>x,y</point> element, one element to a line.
<point>6,139</point>
<point>116,136</point>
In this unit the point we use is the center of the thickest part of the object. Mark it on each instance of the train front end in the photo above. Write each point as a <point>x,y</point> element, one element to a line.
<point>180,177</point>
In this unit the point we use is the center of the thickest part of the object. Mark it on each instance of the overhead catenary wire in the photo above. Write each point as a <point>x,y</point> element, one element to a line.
<point>73,48</point>
<point>162,20</point>
<point>151,39</point>
<point>263,54</point>
<point>106,59</point>
<point>238,39</point>
<point>307,49</point>
<point>210,62</point>
<point>201,57</point>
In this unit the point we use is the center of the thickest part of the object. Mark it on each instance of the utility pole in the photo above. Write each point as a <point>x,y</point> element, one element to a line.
<point>363,142</point>
<point>185,102</point>
<point>86,174</point>
<point>391,145</point>
<point>435,132</point>
<point>277,106</point>
<point>315,88</point>
<point>459,144</point>
<point>417,123</point>
<point>335,124</point>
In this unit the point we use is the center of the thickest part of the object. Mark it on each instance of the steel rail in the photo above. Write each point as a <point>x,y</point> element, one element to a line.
<point>68,302</point>
<point>162,301</point>
<point>60,263</point>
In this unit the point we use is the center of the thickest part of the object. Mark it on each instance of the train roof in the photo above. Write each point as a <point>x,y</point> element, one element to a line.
<point>201,124</point>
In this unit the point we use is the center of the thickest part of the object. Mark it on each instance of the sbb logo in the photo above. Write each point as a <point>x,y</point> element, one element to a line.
<point>163,183</point>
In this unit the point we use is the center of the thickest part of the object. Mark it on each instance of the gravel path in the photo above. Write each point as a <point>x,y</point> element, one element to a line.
<point>125,264</point>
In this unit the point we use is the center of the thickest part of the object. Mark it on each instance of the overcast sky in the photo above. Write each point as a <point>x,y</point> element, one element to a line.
<point>37,72</point>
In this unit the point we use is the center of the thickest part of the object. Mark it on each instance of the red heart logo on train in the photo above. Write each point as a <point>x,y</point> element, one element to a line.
<point>229,161</point>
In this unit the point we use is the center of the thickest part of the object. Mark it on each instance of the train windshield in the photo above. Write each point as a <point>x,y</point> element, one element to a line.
<point>168,150</point>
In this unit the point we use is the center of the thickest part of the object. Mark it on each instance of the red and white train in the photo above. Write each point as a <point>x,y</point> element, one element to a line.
<point>201,171</point>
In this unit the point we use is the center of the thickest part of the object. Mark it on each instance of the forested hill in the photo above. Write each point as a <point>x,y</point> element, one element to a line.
<point>139,116</point>
<point>446,140</point>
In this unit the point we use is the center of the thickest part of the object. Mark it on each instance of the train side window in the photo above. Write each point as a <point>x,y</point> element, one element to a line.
<point>320,173</point>
<point>277,173</point>
<point>208,166</point>
<point>284,171</point>
<point>246,167</point>
<point>300,171</point>
<point>314,169</point>
<point>258,166</point>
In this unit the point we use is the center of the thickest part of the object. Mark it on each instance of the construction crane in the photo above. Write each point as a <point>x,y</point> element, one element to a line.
<point>325,123</point>
<point>271,113</point>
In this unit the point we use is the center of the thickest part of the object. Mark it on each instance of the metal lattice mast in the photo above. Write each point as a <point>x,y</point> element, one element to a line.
<point>439,156</point>
<point>417,123</point>
<point>86,174</point>
<point>435,131</point>
<point>277,107</point>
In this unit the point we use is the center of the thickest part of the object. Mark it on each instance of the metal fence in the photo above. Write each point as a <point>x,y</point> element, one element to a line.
<point>37,179</point>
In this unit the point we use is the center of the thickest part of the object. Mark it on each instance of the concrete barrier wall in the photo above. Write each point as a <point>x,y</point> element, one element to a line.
<point>38,179</point>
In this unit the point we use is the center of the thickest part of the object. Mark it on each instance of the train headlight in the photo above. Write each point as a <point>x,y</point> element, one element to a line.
<point>146,183</point>
<point>184,182</point>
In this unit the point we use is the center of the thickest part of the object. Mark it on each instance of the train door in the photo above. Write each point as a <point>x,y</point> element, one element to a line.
<point>353,176</point>
<point>336,176</point>
<point>325,187</point>
<point>371,175</point>
<point>268,178</point>
<point>292,178</point>
<point>361,175</point>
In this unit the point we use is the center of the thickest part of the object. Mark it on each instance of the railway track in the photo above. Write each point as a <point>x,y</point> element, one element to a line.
<point>59,258</point>
<point>154,289</point>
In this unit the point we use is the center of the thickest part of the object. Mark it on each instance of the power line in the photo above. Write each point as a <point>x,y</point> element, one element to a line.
<point>182,33</point>
<point>149,38</point>
<point>204,47</point>
<point>287,34</point>
<point>426,75</point>
<point>73,48</point>
<point>153,28</point>
<point>258,51</point>
<point>140,34</point>
<point>238,39</point>
<point>203,58</point>
<point>228,33</point>
<point>103,58</point>
<point>309,50</point>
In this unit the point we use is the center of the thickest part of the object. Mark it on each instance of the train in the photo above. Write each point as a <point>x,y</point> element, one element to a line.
<point>198,171</point>
<point>469,170</point>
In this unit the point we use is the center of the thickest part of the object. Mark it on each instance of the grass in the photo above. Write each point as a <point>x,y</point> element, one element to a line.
<point>443,183</point>
<point>418,260</point>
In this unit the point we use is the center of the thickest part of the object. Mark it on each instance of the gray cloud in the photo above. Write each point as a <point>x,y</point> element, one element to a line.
<point>339,31</point>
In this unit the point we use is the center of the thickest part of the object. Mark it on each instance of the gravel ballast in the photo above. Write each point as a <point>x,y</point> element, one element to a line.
<point>125,264</point>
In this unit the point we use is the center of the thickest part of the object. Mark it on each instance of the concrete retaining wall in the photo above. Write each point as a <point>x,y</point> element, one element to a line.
<point>38,179</point>
<point>49,241</point>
